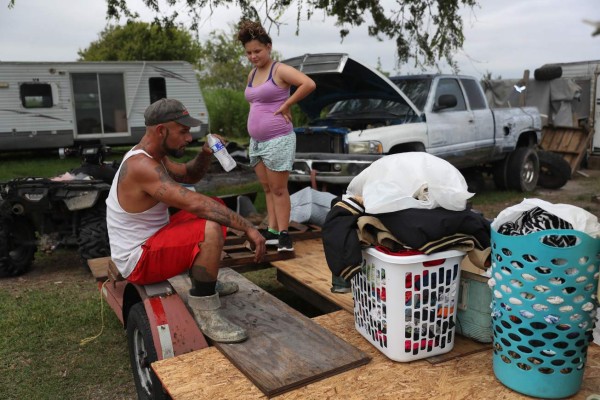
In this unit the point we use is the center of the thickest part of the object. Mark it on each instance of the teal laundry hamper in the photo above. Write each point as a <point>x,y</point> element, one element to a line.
<point>543,308</point>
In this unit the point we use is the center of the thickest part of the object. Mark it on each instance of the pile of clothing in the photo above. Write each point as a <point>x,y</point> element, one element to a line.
<point>404,202</point>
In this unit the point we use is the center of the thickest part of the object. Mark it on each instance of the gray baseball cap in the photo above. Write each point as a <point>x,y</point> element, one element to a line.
<point>167,110</point>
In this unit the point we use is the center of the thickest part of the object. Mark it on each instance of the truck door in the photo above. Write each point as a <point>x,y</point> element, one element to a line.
<point>450,130</point>
<point>482,138</point>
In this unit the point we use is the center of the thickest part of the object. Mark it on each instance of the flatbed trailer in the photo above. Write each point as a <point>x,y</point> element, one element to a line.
<point>463,373</point>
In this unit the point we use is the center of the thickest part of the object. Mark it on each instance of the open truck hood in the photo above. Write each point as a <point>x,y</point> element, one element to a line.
<point>339,77</point>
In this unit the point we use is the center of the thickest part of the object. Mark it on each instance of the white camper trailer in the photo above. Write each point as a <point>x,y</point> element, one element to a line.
<point>59,105</point>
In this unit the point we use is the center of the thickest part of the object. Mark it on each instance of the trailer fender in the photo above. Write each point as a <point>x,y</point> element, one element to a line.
<point>174,330</point>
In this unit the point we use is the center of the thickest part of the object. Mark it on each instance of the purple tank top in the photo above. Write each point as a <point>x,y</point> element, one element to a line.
<point>264,100</point>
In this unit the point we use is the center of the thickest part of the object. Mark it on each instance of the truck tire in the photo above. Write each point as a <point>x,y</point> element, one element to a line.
<point>474,179</point>
<point>17,246</point>
<point>92,240</point>
<point>555,171</point>
<point>499,174</point>
<point>141,354</point>
<point>548,73</point>
<point>523,169</point>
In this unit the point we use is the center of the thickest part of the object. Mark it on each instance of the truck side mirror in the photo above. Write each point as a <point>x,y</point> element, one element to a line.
<point>445,101</point>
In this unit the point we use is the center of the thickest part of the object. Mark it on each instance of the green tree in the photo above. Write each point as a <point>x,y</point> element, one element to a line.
<point>142,41</point>
<point>424,30</point>
<point>222,62</point>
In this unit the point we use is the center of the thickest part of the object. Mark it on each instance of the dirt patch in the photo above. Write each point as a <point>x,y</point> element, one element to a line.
<point>583,191</point>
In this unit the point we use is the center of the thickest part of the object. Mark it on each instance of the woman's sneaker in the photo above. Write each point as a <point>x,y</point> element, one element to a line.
<point>285,242</point>
<point>271,239</point>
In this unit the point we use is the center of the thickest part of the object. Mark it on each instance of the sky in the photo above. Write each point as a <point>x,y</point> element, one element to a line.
<point>502,37</point>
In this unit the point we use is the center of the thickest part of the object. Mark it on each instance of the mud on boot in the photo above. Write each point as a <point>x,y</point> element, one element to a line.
<point>226,288</point>
<point>212,323</point>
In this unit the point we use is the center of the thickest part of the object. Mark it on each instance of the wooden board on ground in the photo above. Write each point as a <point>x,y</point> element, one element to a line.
<point>297,231</point>
<point>285,350</point>
<point>571,143</point>
<point>238,255</point>
<point>310,272</point>
<point>206,374</point>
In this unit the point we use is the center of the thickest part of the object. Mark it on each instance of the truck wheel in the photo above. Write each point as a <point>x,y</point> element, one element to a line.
<point>548,73</point>
<point>141,354</point>
<point>474,179</point>
<point>555,171</point>
<point>92,240</point>
<point>499,174</point>
<point>523,169</point>
<point>17,246</point>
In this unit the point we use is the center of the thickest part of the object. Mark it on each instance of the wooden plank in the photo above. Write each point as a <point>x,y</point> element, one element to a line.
<point>309,269</point>
<point>571,143</point>
<point>240,255</point>
<point>285,350</point>
<point>99,267</point>
<point>206,374</point>
<point>296,230</point>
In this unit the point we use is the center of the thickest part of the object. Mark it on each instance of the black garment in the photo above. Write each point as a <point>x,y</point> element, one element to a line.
<point>537,219</point>
<point>416,227</point>
<point>426,229</point>
<point>340,239</point>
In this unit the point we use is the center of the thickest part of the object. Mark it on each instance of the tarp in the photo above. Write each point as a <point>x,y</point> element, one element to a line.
<point>553,98</point>
<point>310,206</point>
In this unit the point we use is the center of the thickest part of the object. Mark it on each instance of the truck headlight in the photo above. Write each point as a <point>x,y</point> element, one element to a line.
<point>369,147</point>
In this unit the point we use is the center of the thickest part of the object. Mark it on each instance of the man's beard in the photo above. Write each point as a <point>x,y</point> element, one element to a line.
<point>177,153</point>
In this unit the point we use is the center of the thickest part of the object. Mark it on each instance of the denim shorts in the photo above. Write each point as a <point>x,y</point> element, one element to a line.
<point>277,154</point>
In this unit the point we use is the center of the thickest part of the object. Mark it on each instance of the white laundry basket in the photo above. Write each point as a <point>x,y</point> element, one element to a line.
<point>406,305</point>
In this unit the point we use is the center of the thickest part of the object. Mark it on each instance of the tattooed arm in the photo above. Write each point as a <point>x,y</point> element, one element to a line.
<point>193,170</point>
<point>160,186</point>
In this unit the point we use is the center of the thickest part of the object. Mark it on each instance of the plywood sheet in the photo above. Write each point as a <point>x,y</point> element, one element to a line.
<point>207,374</point>
<point>285,349</point>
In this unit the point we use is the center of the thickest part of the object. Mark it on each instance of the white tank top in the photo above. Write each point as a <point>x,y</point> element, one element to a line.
<point>128,231</point>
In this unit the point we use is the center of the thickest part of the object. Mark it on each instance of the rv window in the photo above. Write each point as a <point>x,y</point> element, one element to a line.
<point>36,95</point>
<point>158,89</point>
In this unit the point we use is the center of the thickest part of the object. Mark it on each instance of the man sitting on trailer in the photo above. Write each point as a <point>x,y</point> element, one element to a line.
<point>147,244</point>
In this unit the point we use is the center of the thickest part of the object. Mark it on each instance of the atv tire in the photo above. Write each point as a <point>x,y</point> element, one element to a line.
<point>92,240</point>
<point>17,246</point>
<point>555,171</point>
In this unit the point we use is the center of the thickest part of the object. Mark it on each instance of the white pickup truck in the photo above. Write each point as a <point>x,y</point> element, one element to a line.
<point>358,115</point>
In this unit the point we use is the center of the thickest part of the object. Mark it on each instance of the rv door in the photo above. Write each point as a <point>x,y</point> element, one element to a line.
<point>99,104</point>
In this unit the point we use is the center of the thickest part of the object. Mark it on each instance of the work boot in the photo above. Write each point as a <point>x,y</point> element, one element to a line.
<point>226,288</point>
<point>212,323</point>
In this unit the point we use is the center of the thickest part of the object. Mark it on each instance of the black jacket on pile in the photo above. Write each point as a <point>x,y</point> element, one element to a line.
<point>416,228</point>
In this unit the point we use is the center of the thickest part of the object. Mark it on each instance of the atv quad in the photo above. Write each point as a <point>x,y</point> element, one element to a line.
<point>41,213</point>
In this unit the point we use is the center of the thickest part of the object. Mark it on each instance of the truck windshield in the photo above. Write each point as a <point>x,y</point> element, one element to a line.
<point>416,89</point>
<point>368,107</point>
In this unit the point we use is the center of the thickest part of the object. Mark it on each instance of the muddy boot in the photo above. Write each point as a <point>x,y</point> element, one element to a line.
<point>226,288</point>
<point>212,323</point>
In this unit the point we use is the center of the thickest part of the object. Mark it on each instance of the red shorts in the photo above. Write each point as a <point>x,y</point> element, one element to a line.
<point>171,250</point>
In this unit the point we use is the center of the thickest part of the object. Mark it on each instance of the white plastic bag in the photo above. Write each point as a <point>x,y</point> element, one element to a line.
<point>410,180</point>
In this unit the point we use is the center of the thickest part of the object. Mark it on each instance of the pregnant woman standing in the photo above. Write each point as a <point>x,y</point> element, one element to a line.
<point>272,138</point>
